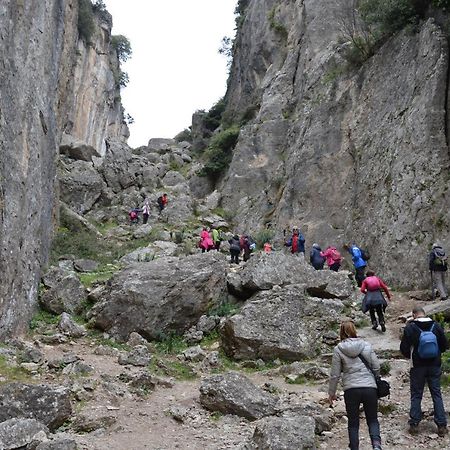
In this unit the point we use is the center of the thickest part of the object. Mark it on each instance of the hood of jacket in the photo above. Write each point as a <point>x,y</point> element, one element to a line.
<point>352,347</point>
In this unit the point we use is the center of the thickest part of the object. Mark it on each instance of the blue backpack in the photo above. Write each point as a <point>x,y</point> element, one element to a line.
<point>428,347</point>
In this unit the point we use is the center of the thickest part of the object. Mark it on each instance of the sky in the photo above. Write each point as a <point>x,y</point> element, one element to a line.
<point>175,68</point>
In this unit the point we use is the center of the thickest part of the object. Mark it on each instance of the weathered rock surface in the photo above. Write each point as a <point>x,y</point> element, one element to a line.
<point>68,327</point>
<point>85,265</point>
<point>58,444</point>
<point>282,323</point>
<point>233,393</point>
<point>285,433</point>
<point>47,404</point>
<point>76,149</point>
<point>17,433</point>
<point>263,272</point>
<point>139,356</point>
<point>161,296</point>
<point>64,291</point>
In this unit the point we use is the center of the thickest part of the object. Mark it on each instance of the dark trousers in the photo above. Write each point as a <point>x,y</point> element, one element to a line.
<point>360,275</point>
<point>335,267</point>
<point>145,218</point>
<point>379,310</point>
<point>368,397</point>
<point>432,376</point>
<point>246,254</point>
<point>235,256</point>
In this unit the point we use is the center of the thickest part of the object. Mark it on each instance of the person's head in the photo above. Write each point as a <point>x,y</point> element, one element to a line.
<point>347,330</point>
<point>164,195</point>
<point>346,246</point>
<point>418,311</point>
<point>436,244</point>
<point>370,273</point>
<point>236,237</point>
<point>316,245</point>
<point>205,228</point>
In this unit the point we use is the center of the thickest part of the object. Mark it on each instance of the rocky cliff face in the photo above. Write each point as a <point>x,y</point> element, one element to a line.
<point>358,154</point>
<point>38,42</point>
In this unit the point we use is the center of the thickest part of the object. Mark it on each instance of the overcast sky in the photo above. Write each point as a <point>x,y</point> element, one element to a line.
<point>175,68</point>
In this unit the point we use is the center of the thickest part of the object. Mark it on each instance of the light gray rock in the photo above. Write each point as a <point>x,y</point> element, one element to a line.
<point>194,354</point>
<point>47,404</point>
<point>233,393</point>
<point>285,433</point>
<point>206,324</point>
<point>282,323</point>
<point>68,327</point>
<point>136,339</point>
<point>85,265</point>
<point>172,178</point>
<point>161,296</point>
<point>142,231</point>
<point>139,356</point>
<point>31,354</point>
<point>17,433</point>
<point>58,444</point>
<point>78,368</point>
<point>193,336</point>
<point>76,149</point>
<point>87,424</point>
<point>161,145</point>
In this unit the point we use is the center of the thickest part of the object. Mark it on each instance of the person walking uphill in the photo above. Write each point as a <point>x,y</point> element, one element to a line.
<point>358,383</point>
<point>359,262</point>
<point>145,212</point>
<point>423,342</point>
<point>162,202</point>
<point>235,249</point>
<point>316,258</point>
<point>206,243</point>
<point>296,242</point>
<point>374,300</point>
<point>333,258</point>
<point>438,268</point>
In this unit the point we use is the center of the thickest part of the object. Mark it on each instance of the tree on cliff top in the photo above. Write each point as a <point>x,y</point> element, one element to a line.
<point>122,47</point>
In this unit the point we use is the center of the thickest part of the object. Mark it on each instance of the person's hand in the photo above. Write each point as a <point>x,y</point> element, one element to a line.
<point>331,399</point>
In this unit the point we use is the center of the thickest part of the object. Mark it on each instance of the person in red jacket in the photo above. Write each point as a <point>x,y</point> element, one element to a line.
<point>374,300</point>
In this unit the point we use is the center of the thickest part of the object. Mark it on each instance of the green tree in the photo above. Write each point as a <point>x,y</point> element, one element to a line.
<point>122,47</point>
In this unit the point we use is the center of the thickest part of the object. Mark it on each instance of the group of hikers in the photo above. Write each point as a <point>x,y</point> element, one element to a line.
<point>133,215</point>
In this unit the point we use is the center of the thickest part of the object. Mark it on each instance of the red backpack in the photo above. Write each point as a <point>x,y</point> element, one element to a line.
<point>335,255</point>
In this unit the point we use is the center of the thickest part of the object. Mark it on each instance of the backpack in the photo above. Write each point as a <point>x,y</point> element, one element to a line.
<point>428,346</point>
<point>160,201</point>
<point>440,258</point>
<point>335,255</point>
<point>251,243</point>
<point>365,255</point>
<point>133,215</point>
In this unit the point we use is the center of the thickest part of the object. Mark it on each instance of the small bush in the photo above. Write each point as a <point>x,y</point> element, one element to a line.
<point>385,368</point>
<point>171,343</point>
<point>213,117</point>
<point>86,22</point>
<point>185,135</point>
<point>220,152</point>
<point>263,236</point>
<point>43,318</point>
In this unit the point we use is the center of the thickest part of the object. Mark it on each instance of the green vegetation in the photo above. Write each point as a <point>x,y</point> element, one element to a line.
<point>43,318</point>
<point>185,135</point>
<point>275,25</point>
<point>263,236</point>
<point>386,408</point>
<point>219,152</point>
<point>86,23</point>
<point>210,339</point>
<point>385,368</point>
<point>171,368</point>
<point>89,279</point>
<point>122,47</point>
<point>224,309</point>
<point>362,323</point>
<point>213,117</point>
<point>300,379</point>
<point>12,373</point>
<point>171,344</point>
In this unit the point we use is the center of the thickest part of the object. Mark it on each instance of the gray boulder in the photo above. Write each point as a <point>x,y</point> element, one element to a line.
<point>158,297</point>
<point>263,272</point>
<point>58,444</point>
<point>160,145</point>
<point>233,393</point>
<point>85,265</point>
<point>194,354</point>
<point>17,433</point>
<point>285,433</point>
<point>68,327</point>
<point>172,178</point>
<point>64,292</point>
<point>47,404</point>
<point>142,231</point>
<point>76,149</point>
<point>139,356</point>
<point>282,323</point>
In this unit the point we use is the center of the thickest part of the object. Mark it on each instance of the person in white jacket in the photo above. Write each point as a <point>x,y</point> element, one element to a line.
<point>358,383</point>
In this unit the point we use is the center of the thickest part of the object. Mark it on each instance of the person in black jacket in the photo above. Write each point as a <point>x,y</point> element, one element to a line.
<point>235,249</point>
<point>438,266</point>
<point>424,370</point>
<point>317,261</point>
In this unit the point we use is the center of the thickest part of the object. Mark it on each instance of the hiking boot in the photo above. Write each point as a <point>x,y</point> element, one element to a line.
<point>442,431</point>
<point>374,325</point>
<point>383,327</point>
<point>413,429</point>
<point>376,445</point>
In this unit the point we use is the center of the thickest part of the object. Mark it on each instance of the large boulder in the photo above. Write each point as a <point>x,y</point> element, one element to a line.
<point>76,149</point>
<point>233,393</point>
<point>282,323</point>
<point>285,433</point>
<point>17,433</point>
<point>47,404</point>
<point>264,271</point>
<point>63,291</point>
<point>162,296</point>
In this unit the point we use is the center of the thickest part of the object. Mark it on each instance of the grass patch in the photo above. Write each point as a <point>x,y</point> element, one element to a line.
<point>180,371</point>
<point>301,379</point>
<point>100,277</point>
<point>171,344</point>
<point>225,309</point>
<point>215,416</point>
<point>210,339</point>
<point>362,323</point>
<point>386,408</point>
<point>98,338</point>
<point>12,373</point>
<point>385,368</point>
<point>43,318</point>
<point>224,213</point>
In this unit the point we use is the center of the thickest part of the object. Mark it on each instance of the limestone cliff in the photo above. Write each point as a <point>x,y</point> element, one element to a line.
<point>42,89</point>
<point>358,154</point>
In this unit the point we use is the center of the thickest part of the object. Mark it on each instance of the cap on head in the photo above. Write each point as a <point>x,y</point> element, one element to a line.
<point>436,244</point>
<point>316,245</point>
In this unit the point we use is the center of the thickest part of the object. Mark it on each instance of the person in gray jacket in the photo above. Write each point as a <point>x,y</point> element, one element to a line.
<point>358,383</point>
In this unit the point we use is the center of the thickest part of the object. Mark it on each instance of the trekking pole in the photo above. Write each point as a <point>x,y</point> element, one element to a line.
<point>432,286</point>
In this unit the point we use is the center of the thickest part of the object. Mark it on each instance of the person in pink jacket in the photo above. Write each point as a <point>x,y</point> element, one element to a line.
<point>206,243</point>
<point>333,258</point>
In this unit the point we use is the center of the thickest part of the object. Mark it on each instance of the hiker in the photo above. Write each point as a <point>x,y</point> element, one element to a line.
<point>235,249</point>
<point>316,257</point>
<point>145,212</point>
<point>296,242</point>
<point>438,267</point>
<point>206,243</point>
<point>333,258</point>
<point>247,244</point>
<point>359,262</point>
<point>374,300</point>
<point>267,247</point>
<point>357,381</point>
<point>217,238</point>
<point>134,216</point>
<point>162,202</point>
<point>423,341</point>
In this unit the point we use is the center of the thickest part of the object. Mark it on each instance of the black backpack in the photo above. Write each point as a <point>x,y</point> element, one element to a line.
<point>440,258</point>
<point>160,201</point>
<point>365,255</point>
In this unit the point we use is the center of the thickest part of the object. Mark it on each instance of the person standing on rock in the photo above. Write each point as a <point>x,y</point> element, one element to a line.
<point>162,202</point>
<point>145,212</point>
<point>297,243</point>
<point>358,262</point>
<point>206,243</point>
<point>358,383</point>
<point>333,258</point>
<point>216,237</point>
<point>316,257</point>
<point>374,300</point>
<point>423,342</point>
<point>438,268</point>
<point>235,249</point>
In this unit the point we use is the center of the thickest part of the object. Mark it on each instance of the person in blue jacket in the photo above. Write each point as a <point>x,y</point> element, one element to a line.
<point>358,262</point>
<point>317,261</point>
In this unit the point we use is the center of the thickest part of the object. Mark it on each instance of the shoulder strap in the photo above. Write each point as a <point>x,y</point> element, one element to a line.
<point>361,357</point>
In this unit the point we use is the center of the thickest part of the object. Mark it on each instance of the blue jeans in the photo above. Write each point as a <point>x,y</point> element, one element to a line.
<point>432,376</point>
<point>368,397</point>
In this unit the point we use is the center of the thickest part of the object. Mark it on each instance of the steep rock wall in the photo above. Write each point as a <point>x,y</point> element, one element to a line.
<point>348,155</point>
